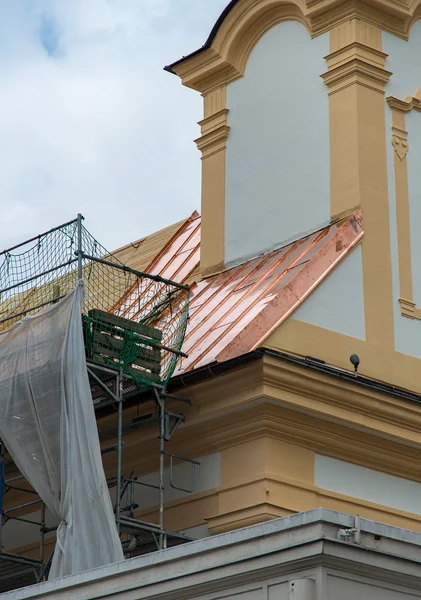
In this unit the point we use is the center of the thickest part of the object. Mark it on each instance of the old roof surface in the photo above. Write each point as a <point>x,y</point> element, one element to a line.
<point>140,254</point>
<point>137,255</point>
<point>233,312</point>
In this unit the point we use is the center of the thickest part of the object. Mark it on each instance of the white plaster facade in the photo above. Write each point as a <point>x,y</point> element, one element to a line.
<point>277,165</point>
<point>370,485</point>
<point>403,61</point>
<point>338,302</point>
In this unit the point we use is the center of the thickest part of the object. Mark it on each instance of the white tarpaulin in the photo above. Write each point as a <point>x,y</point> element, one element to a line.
<point>47,422</point>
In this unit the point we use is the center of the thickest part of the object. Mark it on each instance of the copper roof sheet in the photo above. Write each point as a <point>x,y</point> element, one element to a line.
<point>235,311</point>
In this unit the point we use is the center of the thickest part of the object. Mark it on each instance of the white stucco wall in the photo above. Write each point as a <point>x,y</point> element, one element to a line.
<point>277,170</point>
<point>403,61</point>
<point>359,482</point>
<point>338,303</point>
<point>413,125</point>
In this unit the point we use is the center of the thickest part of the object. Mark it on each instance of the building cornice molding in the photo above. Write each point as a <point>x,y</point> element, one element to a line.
<point>405,106</point>
<point>226,56</point>
<point>378,411</point>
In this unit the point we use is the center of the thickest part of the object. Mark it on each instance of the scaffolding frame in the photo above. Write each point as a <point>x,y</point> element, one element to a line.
<point>109,387</point>
<point>113,388</point>
<point>118,392</point>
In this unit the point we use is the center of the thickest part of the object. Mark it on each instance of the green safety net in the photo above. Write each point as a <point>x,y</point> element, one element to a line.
<point>132,321</point>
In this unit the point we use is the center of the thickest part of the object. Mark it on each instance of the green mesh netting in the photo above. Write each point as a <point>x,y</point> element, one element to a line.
<point>131,320</point>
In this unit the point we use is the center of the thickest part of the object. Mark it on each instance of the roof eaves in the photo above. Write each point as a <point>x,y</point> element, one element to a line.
<point>170,68</point>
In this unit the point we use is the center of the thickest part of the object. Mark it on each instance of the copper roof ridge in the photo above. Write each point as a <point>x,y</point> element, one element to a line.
<point>184,224</point>
<point>292,241</point>
<point>247,293</point>
<point>355,236</point>
<point>186,260</point>
<point>195,215</point>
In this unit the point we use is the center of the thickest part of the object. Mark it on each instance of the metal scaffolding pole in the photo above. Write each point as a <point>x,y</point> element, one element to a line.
<point>1,490</point>
<point>145,536</point>
<point>162,536</point>
<point>79,246</point>
<point>119,394</point>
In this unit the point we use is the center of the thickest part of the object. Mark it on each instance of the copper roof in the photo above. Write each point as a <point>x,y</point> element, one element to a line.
<point>235,311</point>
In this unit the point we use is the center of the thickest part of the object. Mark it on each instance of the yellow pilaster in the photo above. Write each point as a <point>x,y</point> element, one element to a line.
<point>212,144</point>
<point>355,80</point>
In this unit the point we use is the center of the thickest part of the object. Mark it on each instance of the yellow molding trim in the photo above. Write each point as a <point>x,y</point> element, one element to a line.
<point>400,145</point>
<point>349,404</point>
<point>410,103</point>
<point>245,517</point>
<point>308,409</point>
<point>226,59</point>
<point>212,144</point>
<point>356,71</point>
<point>355,80</point>
<point>355,30</point>
<point>280,497</point>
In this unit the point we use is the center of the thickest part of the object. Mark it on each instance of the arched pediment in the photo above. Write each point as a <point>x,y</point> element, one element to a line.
<point>223,57</point>
<point>248,22</point>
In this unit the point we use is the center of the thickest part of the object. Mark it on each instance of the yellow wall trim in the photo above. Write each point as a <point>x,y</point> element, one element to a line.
<point>249,20</point>
<point>213,144</point>
<point>399,140</point>
<point>355,80</point>
<point>279,414</point>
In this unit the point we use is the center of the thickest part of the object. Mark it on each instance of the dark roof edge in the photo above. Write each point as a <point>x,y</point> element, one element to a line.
<point>207,44</point>
<point>320,365</point>
<point>212,369</point>
<point>178,382</point>
<point>309,362</point>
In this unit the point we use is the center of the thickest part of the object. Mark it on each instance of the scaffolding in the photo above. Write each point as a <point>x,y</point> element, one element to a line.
<point>129,359</point>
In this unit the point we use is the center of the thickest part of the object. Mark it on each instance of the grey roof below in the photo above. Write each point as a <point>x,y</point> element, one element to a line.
<point>315,533</point>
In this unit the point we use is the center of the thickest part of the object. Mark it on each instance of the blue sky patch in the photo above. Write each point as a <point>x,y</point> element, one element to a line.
<point>50,35</point>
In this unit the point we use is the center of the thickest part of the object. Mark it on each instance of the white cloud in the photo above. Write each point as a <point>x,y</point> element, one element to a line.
<point>89,121</point>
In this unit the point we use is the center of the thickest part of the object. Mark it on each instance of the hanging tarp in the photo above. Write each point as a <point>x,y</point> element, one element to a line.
<point>47,422</point>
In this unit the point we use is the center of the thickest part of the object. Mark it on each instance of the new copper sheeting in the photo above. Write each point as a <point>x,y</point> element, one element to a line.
<point>235,311</point>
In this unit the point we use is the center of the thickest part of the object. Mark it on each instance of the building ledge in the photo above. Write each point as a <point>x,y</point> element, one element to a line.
<point>316,537</point>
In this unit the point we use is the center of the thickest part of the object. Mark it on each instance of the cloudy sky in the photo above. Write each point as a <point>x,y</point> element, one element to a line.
<point>89,121</point>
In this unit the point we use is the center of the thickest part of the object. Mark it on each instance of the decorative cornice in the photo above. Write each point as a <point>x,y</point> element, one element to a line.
<point>408,308</point>
<point>394,417</point>
<point>213,142</point>
<point>356,64</point>
<point>225,57</point>
<point>410,103</point>
<point>214,132</point>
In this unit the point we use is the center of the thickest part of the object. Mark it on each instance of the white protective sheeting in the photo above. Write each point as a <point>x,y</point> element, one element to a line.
<point>47,422</point>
